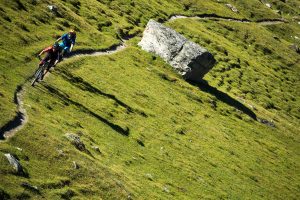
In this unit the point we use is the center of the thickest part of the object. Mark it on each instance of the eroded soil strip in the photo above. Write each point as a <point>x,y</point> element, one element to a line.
<point>216,17</point>
<point>21,118</point>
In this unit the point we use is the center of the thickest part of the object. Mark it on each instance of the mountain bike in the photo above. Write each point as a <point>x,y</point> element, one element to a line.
<point>41,72</point>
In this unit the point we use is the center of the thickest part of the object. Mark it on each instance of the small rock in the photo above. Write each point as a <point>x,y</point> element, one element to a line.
<point>75,140</point>
<point>165,189</point>
<point>52,8</point>
<point>19,149</point>
<point>149,176</point>
<point>268,5</point>
<point>233,8</point>
<point>96,149</point>
<point>15,163</point>
<point>295,48</point>
<point>134,158</point>
<point>252,107</point>
<point>60,152</point>
<point>266,122</point>
<point>76,166</point>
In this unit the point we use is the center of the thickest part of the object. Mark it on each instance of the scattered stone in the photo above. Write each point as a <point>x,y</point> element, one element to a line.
<point>189,59</point>
<point>252,107</point>
<point>75,140</point>
<point>233,8</point>
<point>15,163</point>
<point>19,149</point>
<point>76,166</point>
<point>134,158</point>
<point>166,189</point>
<point>266,122</point>
<point>149,176</point>
<point>30,187</point>
<point>268,5</point>
<point>96,149</point>
<point>295,48</point>
<point>53,8</point>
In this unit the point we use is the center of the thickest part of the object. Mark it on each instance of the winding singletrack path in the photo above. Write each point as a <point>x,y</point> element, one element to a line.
<point>21,118</point>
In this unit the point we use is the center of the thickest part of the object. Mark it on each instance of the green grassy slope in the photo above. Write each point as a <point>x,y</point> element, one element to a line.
<point>159,136</point>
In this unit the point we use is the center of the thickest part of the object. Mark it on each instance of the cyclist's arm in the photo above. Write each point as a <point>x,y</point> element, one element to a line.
<point>39,56</point>
<point>72,44</point>
<point>59,39</point>
<point>71,47</point>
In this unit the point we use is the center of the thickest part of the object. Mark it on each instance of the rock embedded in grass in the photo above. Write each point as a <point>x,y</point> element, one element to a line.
<point>15,163</point>
<point>75,140</point>
<point>96,148</point>
<point>188,58</point>
<point>75,165</point>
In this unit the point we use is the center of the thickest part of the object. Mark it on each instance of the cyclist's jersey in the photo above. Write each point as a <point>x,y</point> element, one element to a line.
<point>51,54</point>
<point>67,40</point>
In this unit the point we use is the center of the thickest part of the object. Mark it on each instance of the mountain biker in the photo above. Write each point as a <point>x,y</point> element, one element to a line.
<point>68,42</point>
<point>53,54</point>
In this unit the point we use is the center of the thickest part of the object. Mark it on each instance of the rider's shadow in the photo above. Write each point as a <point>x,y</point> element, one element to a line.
<point>205,87</point>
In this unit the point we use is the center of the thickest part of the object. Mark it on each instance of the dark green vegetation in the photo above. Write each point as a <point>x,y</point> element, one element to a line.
<point>159,137</point>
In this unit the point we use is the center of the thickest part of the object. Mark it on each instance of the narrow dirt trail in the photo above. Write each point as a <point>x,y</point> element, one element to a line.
<point>21,118</point>
<point>219,18</point>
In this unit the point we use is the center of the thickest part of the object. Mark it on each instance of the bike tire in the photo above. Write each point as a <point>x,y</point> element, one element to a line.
<point>39,73</point>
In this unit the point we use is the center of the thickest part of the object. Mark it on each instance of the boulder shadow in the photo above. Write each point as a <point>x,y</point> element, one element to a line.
<point>205,87</point>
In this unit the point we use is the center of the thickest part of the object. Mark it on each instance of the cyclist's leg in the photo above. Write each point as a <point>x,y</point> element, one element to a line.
<point>66,50</point>
<point>46,59</point>
<point>62,47</point>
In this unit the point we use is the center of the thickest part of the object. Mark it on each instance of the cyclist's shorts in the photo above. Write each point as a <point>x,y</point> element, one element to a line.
<point>63,47</point>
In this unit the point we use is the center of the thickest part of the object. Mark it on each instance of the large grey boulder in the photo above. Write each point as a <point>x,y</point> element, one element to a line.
<point>188,58</point>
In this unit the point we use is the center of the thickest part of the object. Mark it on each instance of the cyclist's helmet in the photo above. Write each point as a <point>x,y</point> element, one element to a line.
<point>72,33</point>
<point>56,46</point>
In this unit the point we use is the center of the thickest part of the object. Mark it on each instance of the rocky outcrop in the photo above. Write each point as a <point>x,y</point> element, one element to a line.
<point>188,58</point>
<point>75,140</point>
<point>233,8</point>
<point>15,163</point>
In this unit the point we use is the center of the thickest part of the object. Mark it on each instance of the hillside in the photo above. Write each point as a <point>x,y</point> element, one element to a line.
<point>148,133</point>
